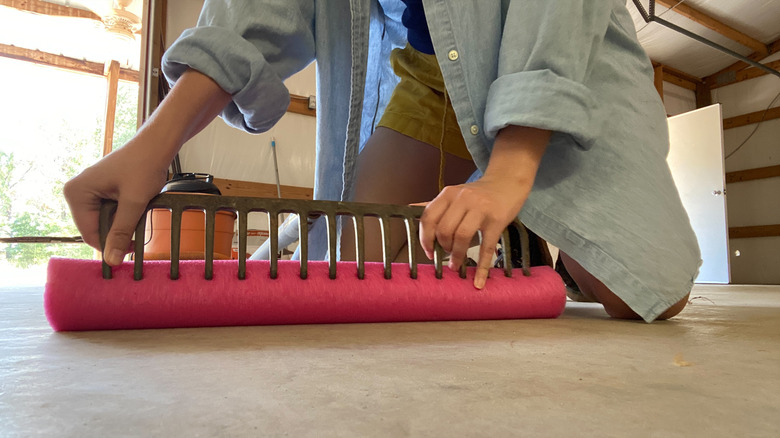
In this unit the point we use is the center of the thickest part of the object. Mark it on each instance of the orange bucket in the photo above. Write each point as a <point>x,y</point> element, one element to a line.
<point>193,235</point>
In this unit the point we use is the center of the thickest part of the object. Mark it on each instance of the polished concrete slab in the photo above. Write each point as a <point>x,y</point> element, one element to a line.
<point>712,371</point>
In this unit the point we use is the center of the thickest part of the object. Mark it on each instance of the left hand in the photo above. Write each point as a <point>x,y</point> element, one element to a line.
<point>487,205</point>
<point>454,217</point>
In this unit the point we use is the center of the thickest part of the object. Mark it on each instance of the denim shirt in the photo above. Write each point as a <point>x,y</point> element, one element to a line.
<point>603,193</point>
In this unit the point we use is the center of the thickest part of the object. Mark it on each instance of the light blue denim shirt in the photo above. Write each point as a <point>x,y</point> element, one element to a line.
<point>603,194</point>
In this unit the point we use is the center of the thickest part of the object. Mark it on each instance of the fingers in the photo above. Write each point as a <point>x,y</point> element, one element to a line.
<point>453,217</point>
<point>119,239</point>
<point>461,238</point>
<point>486,249</point>
<point>429,221</point>
<point>85,212</point>
<point>451,228</point>
<point>441,221</point>
<point>453,222</point>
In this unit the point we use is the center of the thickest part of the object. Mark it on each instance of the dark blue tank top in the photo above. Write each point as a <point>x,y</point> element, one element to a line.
<point>417,28</point>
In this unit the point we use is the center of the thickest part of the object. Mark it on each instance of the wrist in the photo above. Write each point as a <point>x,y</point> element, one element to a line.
<point>194,101</point>
<point>517,153</point>
<point>155,145</point>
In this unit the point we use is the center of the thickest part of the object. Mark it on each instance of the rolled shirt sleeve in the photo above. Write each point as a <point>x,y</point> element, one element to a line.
<point>544,68</point>
<point>249,48</point>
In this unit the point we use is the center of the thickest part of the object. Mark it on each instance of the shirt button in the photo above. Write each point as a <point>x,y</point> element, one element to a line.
<point>453,55</point>
<point>474,129</point>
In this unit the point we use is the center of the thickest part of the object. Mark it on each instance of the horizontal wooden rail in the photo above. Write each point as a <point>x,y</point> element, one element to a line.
<point>740,70</point>
<point>300,105</point>
<point>733,77</point>
<point>41,239</point>
<point>754,231</point>
<point>751,174</point>
<point>47,8</point>
<point>63,62</point>
<point>749,119</point>
<point>230,187</point>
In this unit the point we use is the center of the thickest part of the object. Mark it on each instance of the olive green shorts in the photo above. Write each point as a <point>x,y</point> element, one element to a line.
<point>419,104</point>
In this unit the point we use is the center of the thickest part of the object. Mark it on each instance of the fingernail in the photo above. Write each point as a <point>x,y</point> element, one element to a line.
<point>479,282</point>
<point>114,257</point>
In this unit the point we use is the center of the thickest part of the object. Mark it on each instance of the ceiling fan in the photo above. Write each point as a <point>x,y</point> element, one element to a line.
<point>121,18</point>
<point>117,15</point>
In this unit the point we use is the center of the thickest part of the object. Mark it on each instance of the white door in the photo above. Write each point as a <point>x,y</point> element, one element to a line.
<point>696,161</point>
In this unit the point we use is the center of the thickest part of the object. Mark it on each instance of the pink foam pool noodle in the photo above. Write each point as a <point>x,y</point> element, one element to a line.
<point>78,298</point>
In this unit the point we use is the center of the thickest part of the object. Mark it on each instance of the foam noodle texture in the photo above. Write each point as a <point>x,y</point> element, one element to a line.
<point>78,298</point>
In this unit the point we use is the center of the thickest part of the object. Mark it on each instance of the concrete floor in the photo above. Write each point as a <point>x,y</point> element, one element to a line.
<point>712,371</point>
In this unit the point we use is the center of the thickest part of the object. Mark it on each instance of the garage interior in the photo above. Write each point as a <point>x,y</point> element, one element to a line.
<point>711,371</point>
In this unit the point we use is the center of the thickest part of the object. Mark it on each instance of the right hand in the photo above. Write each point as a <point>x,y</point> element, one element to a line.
<point>135,173</point>
<point>128,175</point>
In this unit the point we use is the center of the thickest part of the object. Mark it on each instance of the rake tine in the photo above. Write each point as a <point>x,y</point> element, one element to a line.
<point>411,240</point>
<point>360,245</point>
<point>243,217</point>
<point>506,247</point>
<point>176,214</point>
<point>138,253</point>
<point>209,244</point>
<point>107,209</point>
<point>332,237</point>
<point>303,237</point>
<point>438,256</point>
<point>273,234</point>
<point>524,248</point>
<point>384,222</point>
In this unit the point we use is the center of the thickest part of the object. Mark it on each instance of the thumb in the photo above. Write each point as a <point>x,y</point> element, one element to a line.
<point>118,241</point>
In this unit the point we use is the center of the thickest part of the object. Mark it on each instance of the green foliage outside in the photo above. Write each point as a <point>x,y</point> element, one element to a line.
<point>45,212</point>
<point>126,118</point>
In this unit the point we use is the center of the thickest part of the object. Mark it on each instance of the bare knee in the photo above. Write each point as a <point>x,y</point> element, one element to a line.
<point>620,310</point>
<point>675,309</point>
<point>613,305</point>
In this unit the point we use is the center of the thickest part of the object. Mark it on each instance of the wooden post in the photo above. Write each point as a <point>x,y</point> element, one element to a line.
<point>703,95</point>
<point>658,80</point>
<point>152,48</point>
<point>112,83</point>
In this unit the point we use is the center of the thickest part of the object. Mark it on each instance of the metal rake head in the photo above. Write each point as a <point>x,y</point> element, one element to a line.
<point>331,210</point>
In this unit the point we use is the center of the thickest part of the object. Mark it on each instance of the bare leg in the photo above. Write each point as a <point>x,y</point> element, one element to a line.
<point>396,169</point>
<point>595,290</point>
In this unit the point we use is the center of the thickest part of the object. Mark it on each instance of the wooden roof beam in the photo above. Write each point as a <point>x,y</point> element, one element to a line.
<point>46,8</point>
<point>677,77</point>
<point>734,77</point>
<point>729,74</point>
<point>705,20</point>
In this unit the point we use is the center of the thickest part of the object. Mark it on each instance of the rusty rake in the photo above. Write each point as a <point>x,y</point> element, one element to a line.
<point>331,210</point>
